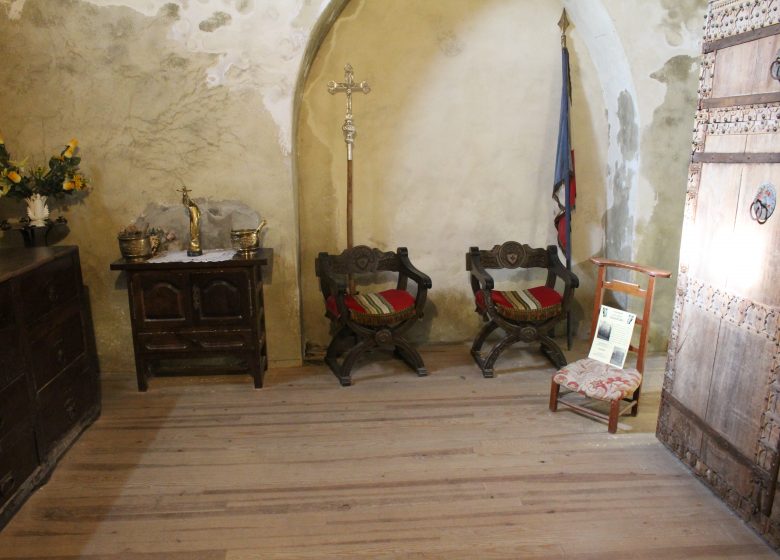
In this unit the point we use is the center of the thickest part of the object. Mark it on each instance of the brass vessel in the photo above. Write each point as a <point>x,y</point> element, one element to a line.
<point>246,240</point>
<point>135,246</point>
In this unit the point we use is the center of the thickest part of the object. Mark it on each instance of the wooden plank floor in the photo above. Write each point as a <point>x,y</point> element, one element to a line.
<point>449,466</point>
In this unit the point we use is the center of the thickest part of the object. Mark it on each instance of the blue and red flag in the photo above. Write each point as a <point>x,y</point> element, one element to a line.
<point>565,186</point>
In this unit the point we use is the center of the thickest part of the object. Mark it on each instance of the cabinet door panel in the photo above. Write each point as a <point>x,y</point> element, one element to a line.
<point>12,363</point>
<point>221,297</point>
<point>57,347</point>
<point>15,406</point>
<point>18,461</point>
<point>63,402</point>
<point>161,298</point>
<point>51,285</point>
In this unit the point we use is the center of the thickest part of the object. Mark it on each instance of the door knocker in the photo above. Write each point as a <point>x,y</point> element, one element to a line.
<point>764,203</point>
<point>774,69</point>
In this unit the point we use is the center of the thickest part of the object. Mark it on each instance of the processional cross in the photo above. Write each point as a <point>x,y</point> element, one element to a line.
<point>349,86</point>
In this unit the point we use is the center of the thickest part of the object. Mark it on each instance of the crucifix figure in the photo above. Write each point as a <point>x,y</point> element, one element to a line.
<point>193,211</point>
<point>348,86</point>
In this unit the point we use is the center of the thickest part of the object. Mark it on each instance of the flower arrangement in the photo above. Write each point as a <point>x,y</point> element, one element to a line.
<point>61,178</point>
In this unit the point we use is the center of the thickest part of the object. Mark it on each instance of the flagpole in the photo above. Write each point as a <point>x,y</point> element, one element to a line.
<point>564,24</point>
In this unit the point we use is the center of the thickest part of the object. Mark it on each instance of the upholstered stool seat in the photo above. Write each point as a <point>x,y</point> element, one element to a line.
<point>598,380</point>
<point>373,309</point>
<point>533,304</point>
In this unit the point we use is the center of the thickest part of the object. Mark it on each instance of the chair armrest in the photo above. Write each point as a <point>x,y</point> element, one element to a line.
<point>649,270</point>
<point>481,280</point>
<point>555,270</point>
<point>408,269</point>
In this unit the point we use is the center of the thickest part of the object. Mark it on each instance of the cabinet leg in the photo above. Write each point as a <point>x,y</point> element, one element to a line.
<point>142,374</point>
<point>257,367</point>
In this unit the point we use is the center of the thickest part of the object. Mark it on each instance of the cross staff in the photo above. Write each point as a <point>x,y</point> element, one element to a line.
<point>348,86</point>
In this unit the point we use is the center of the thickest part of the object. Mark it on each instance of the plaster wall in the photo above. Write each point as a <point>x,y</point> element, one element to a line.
<point>456,141</point>
<point>161,94</point>
<point>666,80</point>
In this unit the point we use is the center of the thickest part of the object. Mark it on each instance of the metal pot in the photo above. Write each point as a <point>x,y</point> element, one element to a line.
<point>246,240</point>
<point>135,246</point>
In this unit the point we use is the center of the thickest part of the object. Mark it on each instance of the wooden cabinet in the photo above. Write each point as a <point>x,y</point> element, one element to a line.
<point>720,408</point>
<point>185,315</point>
<point>49,383</point>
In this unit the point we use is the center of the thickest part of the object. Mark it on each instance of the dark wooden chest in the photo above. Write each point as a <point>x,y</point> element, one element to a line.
<point>49,382</point>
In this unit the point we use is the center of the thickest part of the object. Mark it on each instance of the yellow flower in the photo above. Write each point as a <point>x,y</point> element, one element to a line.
<point>1,139</point>
<point>4,189</point>
<point>14,176</point>
<point>68,185</point>
<point>79,182</point>
<point>68,153</point>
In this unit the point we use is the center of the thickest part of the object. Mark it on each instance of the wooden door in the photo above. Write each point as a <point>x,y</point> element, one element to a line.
<point>221,297</point>
<point>720,409</point>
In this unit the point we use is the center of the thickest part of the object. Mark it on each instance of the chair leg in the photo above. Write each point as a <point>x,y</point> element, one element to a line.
<point>484,332</point>
<point>341,342</point>
<point>410,356</point>
<point>635,408</point>
<point>552,351</point>
<point>554,389</point>
<point>614,411</point>
<point>344,373</point>
<point>496,351</point>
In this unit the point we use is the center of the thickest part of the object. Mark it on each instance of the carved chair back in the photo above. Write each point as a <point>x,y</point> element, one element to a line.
<point>333,270</point>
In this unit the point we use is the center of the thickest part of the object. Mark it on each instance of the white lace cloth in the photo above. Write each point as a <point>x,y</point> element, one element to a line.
<point>210,255</point>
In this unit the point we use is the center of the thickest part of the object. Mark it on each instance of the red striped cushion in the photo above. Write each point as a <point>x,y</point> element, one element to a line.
<point>533,304</point>
<point>382,308</point>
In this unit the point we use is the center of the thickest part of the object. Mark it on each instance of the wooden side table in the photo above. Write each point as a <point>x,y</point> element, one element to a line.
<point>188,312</point>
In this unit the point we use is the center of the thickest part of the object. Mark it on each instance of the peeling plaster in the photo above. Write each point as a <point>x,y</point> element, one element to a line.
<point>666,145</point>
<point>682,17</point>
<point>267,59</point>
<point>597,30</point>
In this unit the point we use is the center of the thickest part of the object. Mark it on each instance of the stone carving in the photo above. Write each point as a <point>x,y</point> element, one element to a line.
<point>747,119</point>
<point>692,191</point>
<point>727,18</point>
<point>750,315</point>
<point>700,130</point>
<point>706,75</point>
<point>671,356</point>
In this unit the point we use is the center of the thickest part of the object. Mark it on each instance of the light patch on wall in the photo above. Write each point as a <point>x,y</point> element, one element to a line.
<point>257,47</point>
<point>681,19</point>
<point>13,8</point>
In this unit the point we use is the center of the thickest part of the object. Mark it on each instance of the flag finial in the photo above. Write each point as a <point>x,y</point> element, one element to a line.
<point>563,23</point>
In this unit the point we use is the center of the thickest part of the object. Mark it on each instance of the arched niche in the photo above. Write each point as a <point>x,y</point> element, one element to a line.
<point>456,142</point>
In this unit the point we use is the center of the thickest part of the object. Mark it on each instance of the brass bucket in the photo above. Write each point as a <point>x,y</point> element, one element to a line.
<point>135,246</point>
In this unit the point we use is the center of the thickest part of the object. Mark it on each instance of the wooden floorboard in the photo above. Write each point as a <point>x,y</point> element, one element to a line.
<point>448,466</point>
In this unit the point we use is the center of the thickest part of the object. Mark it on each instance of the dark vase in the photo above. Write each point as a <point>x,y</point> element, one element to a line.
<point>42,236</point>
<point>36,236</point>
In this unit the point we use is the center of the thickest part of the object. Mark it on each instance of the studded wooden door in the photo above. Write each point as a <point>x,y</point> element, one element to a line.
<point>720,409</point>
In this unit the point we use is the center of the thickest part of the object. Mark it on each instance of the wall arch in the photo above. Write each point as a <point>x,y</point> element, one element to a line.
<point>594,42</point>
